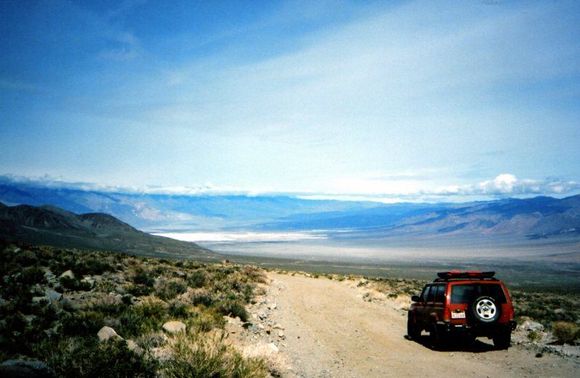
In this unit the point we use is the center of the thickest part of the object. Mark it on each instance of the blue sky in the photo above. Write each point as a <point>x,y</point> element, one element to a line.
<point>387,100</point>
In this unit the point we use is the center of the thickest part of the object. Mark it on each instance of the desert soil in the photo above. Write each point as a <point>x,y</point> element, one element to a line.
<point>331,329</point>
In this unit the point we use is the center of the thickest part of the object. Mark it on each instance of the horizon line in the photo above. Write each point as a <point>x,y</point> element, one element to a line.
<point>468,194</point>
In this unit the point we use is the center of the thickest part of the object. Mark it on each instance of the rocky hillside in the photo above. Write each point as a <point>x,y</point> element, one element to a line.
<point>67,313</point>
<point>50,225</point>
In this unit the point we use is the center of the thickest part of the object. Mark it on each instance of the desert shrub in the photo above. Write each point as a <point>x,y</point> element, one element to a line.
<point>253,274</point>
<point>248,293</point>
<point>139,290</point>
<point>46,254</point>
<point>86,323</point>
<point>32,275</point>
<point>196,279</point>
<point>26,258</point>
<point>195,356</point>
<point>202,297</point>
<point>74,284</point>
<point>93,266</point>
<point>12,329</point>
<point>178,309</point>
<point>144,317</point>
<point>127,299</point>
<point>233,308</point>
<point>86,357</point>
<point>67,339</point>
<point>12,287</point>
<point>546,307</point>
<point>205,321</point>
<point>132,323</point>
<point>566,332</point>
<point>534,336</point>
<point>144,278</point>
<point>191,264</point>
<point>170,289</point>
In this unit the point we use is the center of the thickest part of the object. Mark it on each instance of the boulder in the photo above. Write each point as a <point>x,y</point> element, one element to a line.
<point>49,276</point>
<point>67,274</point>
<point>89,280</point>
<point>25,369</point>
<point>68,304</point>
<point>53,296</point>
<point>107,333</point>
<point>530,325</point>
<point>174,326</point>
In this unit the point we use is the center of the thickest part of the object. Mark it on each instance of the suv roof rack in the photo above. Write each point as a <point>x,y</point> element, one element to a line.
<point>459,275</point>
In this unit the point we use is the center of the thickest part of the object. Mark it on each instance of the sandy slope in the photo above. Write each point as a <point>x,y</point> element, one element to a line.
<point>330,331</point>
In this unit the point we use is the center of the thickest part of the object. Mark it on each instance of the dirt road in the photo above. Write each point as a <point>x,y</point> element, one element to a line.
<point>330,331</point>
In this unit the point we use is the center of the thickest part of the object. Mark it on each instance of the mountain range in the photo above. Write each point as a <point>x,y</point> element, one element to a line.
<point>529,219</point>
<point>49,225</point>
<point>533,218</point>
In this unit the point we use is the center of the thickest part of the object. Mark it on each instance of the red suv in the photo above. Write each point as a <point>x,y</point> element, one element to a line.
<point>468,304</point>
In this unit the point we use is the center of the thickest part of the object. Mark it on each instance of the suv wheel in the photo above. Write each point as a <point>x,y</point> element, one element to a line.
<point>485,309</point>
<point>412,329</point>
<point>435,340</point>
<point>502,340</point>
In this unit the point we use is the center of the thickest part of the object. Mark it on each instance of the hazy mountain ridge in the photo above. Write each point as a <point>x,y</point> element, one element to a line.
<point>50,225</point>
<point>149,211</point>
<point>531,218</point>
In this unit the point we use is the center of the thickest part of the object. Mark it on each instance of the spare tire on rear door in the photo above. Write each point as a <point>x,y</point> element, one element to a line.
<point>485,309</point>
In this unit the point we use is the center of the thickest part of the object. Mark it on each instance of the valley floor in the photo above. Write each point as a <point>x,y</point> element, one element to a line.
<point>331,329</point>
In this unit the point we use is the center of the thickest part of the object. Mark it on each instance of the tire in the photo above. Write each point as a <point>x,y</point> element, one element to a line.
<point>503,339</point>
<point>413,331</point>
<point>469,340</point>
<point>434,337</point>
<point>485,310</point>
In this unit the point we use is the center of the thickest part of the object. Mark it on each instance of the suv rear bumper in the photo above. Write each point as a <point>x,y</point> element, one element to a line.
<point>477,329</point>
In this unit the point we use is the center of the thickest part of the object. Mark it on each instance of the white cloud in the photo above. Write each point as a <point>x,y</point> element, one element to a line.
<point>507,184</point>
<point>353,189</point>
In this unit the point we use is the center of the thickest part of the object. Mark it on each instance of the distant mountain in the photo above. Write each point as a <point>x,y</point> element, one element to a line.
<point>534,218</point>
<point>51,225</point>
<point>531,219</point>
<point>161,211</point>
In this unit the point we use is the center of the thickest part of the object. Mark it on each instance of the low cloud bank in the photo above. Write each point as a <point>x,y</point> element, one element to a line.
<point>387,191</point>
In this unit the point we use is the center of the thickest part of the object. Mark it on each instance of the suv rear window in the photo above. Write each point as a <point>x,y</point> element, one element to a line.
<point>465,293</point>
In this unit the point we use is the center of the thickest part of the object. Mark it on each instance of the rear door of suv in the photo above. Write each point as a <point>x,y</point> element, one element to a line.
<point>437,303</point>
<point>432,303</point>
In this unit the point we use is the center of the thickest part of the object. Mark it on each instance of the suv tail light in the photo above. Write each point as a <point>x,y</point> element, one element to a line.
<point>447,314</point>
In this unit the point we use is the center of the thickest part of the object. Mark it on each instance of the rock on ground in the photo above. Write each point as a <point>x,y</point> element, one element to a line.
<point>107,333</point>
<point>25,369</point>
<point>174,326</point>
<point>67,274</point>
